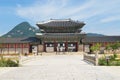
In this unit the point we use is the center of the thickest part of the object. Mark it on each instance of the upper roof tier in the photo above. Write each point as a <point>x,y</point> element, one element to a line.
<point>60,26</point>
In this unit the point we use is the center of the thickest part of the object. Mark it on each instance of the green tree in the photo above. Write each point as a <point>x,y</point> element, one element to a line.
<point>115,46</point>
<point>108,48</point>
<point>96,49</point>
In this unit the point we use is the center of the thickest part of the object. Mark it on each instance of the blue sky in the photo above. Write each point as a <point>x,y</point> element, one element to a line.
<point>100,16</point>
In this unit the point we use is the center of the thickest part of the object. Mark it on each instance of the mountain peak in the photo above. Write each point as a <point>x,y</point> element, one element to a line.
<point>25,22</point>
<point>23,29</point>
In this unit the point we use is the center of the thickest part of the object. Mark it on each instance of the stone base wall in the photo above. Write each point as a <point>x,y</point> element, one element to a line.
<point>80,48</point>
<point>40,48</point>
<point>14,51</point>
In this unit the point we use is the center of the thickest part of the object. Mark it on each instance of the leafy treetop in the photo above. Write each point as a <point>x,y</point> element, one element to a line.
<point>96,47</point>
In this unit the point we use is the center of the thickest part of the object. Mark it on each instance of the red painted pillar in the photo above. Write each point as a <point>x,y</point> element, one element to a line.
<point>106,43</point>
<point>55,46</point>
<point>3,46</point>
<point>44,47</point>
<point>66,46</point>
<point>76,46</point>
<point>28,47</point>
<point>15,48</point>
<point>8,48</point>
<point>22,47</point>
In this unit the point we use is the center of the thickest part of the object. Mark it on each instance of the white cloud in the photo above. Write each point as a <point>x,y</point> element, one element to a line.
<point>51,9</point>
<point>37,11</point>
<point>110,19</point>
<point>62,9</point>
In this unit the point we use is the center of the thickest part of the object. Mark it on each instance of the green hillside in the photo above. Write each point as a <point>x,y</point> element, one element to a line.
<point>23,29</point>
<point>94,34</point>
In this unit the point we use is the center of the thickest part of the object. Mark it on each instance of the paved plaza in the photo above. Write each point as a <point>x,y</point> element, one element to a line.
<point>60,67</point>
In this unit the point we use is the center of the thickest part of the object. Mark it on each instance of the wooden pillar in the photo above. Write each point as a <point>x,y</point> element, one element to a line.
<point>44,47</point>
<point>55,46</point>
<point>8,47</point>
<point>76,46</point>
<point>15,48</point>
<point>2,47</point>
<point>28,47</point>
<point>106,44</point>
<point>66,46</point>
<point>22,47</point>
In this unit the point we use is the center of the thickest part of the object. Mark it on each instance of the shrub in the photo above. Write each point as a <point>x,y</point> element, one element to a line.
<point>113,57</point>
<point>115,63</point>
<point>102,61</point>
<point>11,63</point>
<point>8,63</point>
<point>118,63</point>
<point>111,62</point>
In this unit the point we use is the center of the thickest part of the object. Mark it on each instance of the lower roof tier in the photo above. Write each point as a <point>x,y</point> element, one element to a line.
<point>60,36</point>
<point>54,35</point>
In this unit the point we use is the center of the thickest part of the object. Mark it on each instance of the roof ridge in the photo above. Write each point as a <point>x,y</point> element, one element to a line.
<point>59,20</point>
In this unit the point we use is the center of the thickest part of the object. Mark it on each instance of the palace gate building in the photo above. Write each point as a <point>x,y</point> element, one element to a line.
<point>61,35</point>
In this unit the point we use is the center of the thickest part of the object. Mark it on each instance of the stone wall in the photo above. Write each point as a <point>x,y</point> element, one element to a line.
<point>14,51</point>
<point>40,48</point>
<point>80,48</point>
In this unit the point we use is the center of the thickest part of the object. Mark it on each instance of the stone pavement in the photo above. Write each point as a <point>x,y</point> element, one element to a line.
<point>61,67</point>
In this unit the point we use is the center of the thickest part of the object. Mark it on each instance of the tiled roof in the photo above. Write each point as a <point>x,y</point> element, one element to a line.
<point>63,26</point>
<point>101,39</point>
<point>19,40</point>
<point>59,35</point>
<point>61,23</point>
